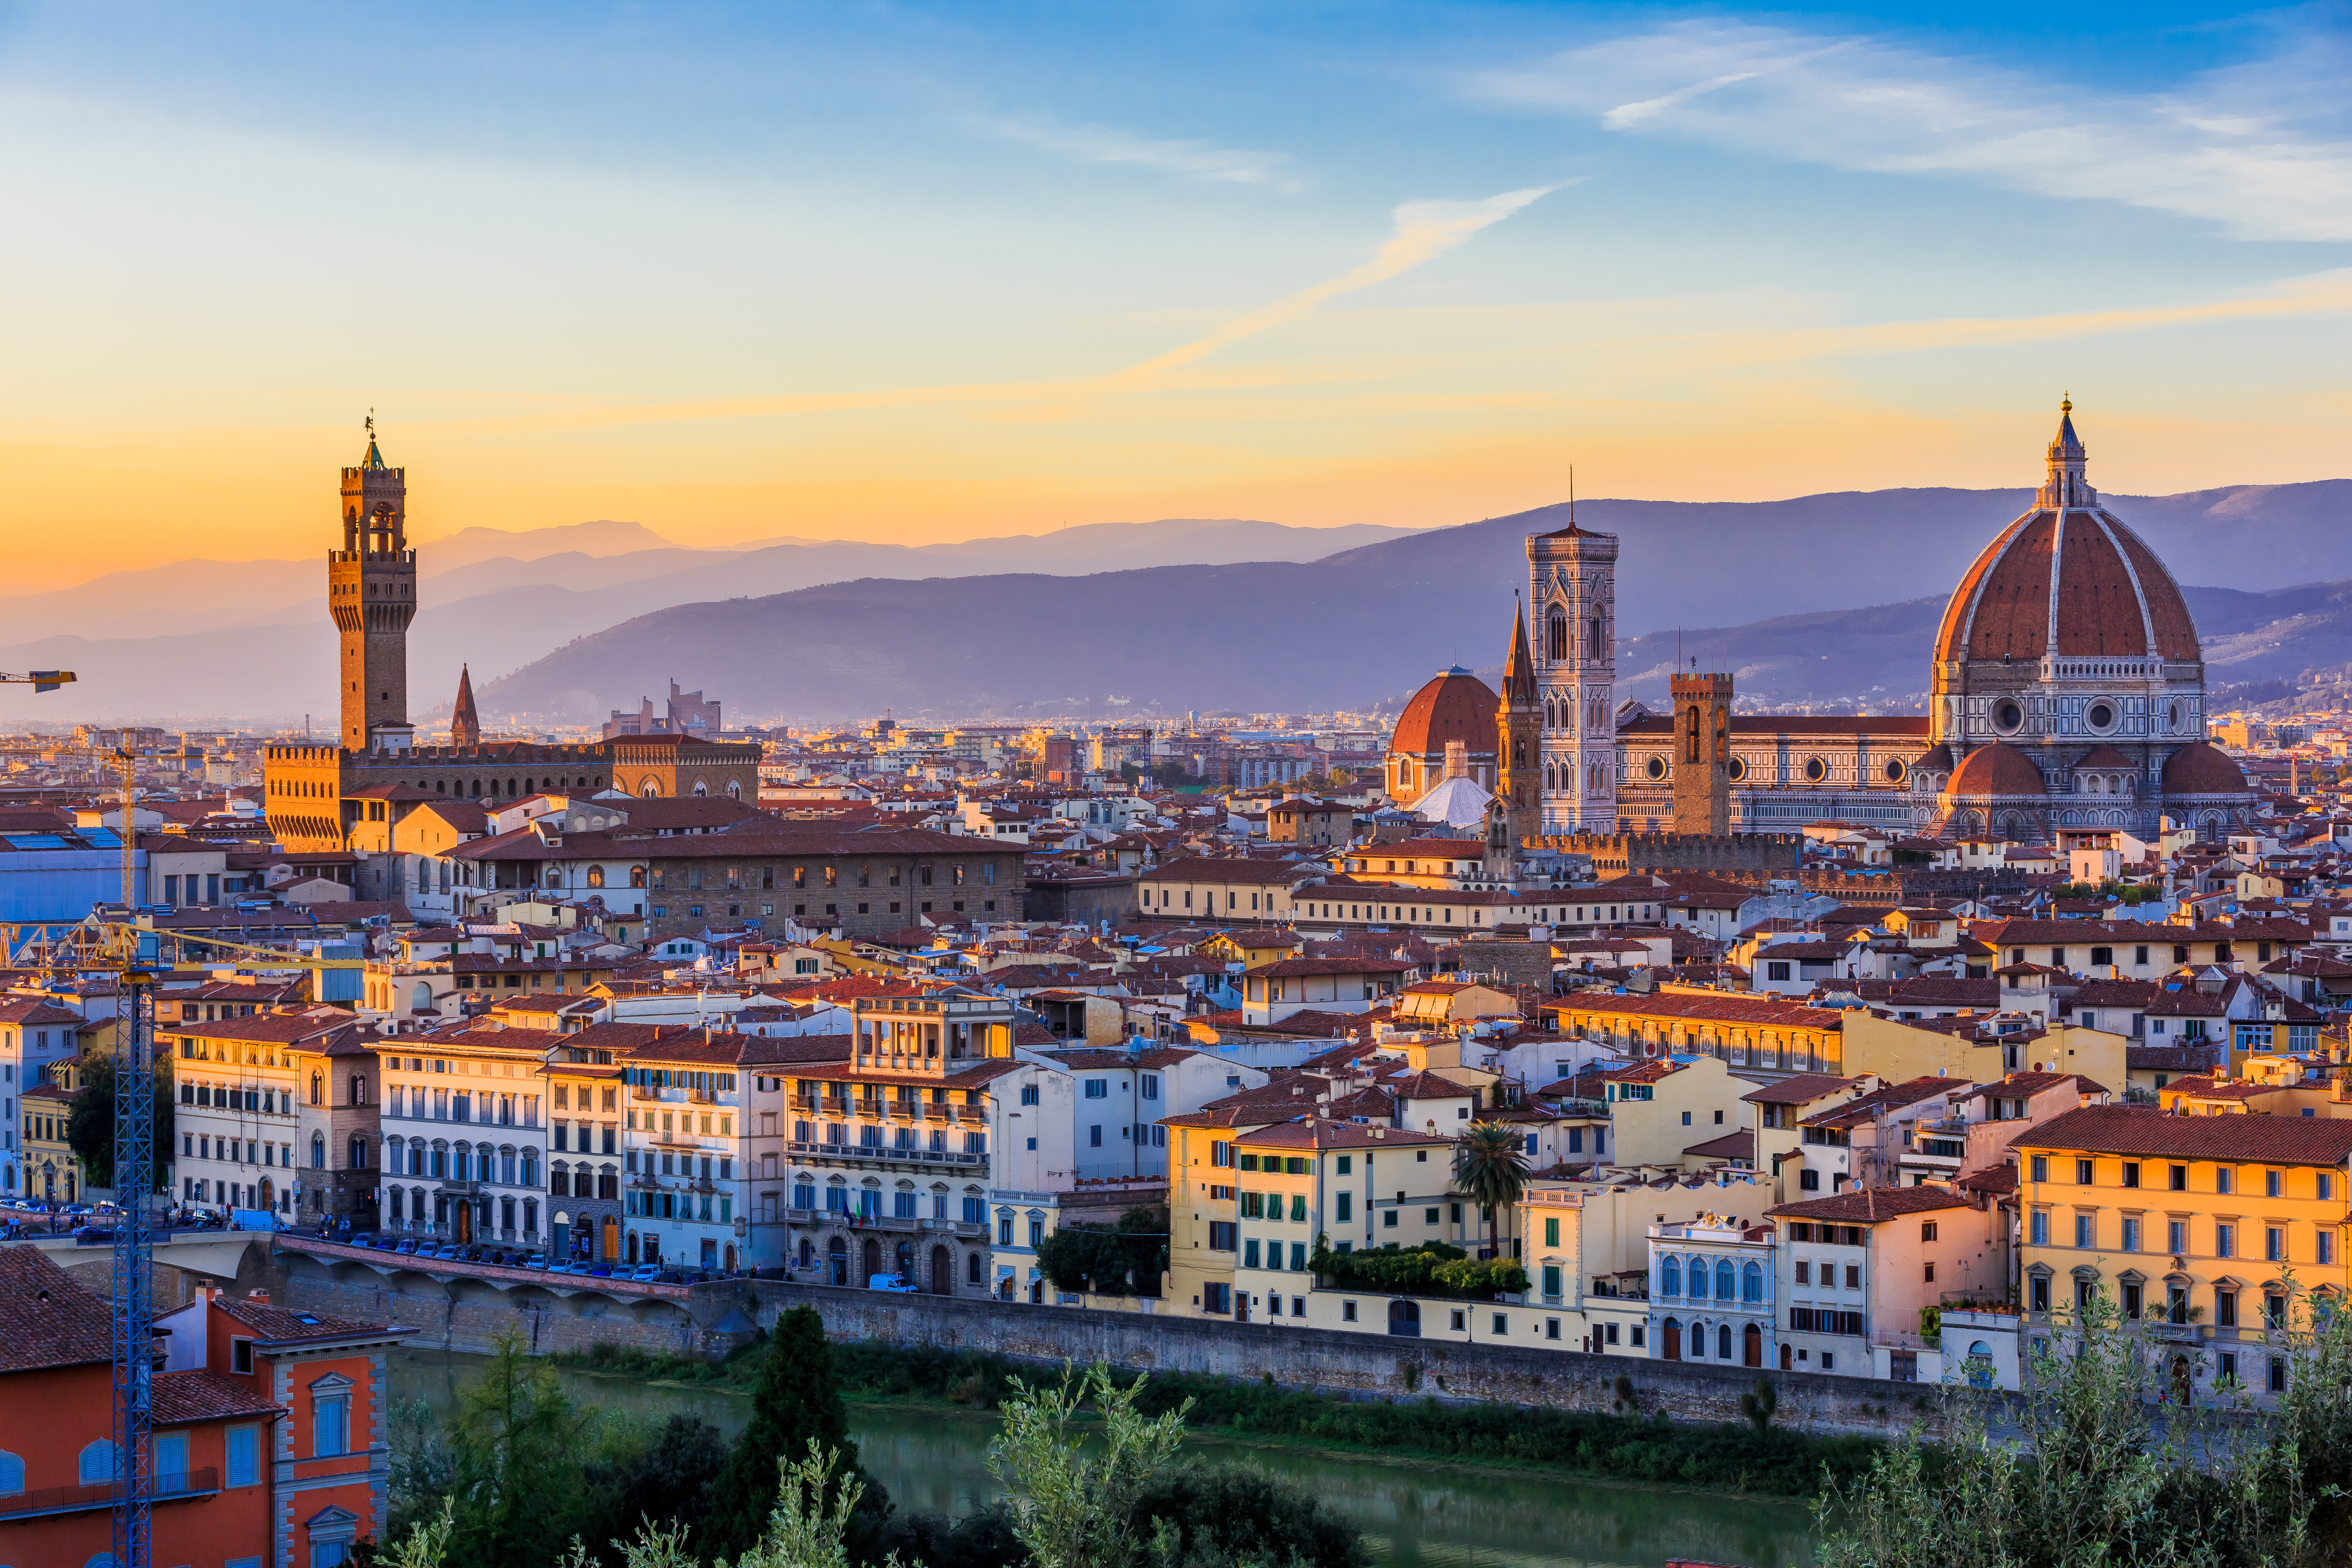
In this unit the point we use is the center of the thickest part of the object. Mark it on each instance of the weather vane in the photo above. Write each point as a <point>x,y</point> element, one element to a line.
<point>371,424</point>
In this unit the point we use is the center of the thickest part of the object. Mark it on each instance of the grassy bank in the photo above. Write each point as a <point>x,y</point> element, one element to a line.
<point>1628,1446</point>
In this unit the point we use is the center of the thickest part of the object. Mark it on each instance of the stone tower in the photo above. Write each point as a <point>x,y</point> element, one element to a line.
<point>464,724</point>
<point>371,594</point>
<point>1572,596</point>
<point>1702,753</point>
<point>1518,756</point>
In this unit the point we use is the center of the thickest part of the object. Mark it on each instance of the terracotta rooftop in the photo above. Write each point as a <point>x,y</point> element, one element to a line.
<point>1872,1206</point>
<point>2141,1130</point>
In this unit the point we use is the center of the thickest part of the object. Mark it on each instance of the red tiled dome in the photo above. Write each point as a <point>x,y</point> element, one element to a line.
<point>1455,706</point>
<point>2115,599</point>
<point>2203,769</point>
<point>1997,769</point>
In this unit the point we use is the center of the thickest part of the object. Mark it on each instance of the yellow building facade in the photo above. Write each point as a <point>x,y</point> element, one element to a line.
<point>2215,1233</point>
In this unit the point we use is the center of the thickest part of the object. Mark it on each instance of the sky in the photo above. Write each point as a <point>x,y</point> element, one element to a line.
<point>920,273</point>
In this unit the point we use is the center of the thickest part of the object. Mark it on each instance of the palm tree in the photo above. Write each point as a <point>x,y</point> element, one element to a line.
<point>1490,1165</point>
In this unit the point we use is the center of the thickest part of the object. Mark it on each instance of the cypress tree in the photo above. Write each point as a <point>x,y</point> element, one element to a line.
<point>797,1398</point>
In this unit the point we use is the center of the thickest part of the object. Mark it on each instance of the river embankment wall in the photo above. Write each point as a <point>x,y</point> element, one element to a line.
<point>470,1314</point>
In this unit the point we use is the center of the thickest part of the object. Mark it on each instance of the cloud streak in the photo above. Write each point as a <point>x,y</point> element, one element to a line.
<point>1189,160</point>
<point>2262,150</point>
<point>1424,231</point>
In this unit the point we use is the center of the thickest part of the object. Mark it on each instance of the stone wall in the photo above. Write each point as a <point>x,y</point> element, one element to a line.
<point>470,1314</point>
<point>1614,854</point>
<point>1514,962</point>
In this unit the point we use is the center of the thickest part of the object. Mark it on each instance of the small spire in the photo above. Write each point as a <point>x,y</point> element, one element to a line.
<point>464,724</point>
<point>1518,665</point>
<point>375,458</point>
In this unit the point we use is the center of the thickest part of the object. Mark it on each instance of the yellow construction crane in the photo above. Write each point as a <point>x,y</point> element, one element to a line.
<point>38,679</point>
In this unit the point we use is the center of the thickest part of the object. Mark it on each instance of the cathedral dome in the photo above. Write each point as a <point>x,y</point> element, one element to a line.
<point>1997,769</point>
<point>2068,568</point>
<point>2203,769</point>
<point>1455,706</point>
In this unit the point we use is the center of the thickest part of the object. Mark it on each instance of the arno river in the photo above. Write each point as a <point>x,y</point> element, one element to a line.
<point>1413,1514</point>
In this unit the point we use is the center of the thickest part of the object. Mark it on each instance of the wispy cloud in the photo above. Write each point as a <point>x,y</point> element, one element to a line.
<point>1190,160</point>
<point>2264,150</point>
<point>1424,231</point>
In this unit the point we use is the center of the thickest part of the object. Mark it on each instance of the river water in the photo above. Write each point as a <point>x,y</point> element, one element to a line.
<point>1414,1513</point>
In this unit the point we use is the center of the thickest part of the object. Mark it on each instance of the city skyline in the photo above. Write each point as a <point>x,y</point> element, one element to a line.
<point>918,276</point>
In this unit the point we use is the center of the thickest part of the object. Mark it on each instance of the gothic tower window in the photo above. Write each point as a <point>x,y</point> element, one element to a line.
<point>1691,734</point>
<point>1555,633</point>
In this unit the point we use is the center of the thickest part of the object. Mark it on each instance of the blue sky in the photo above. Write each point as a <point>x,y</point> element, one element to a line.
<point>924,272</point>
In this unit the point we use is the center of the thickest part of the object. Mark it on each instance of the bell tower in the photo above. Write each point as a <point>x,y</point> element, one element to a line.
<point>1702,753</point>
<point>1572,597</point>
<point>371,594</point>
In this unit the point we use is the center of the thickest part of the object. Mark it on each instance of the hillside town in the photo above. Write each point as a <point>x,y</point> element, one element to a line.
<point>1832,1044</point>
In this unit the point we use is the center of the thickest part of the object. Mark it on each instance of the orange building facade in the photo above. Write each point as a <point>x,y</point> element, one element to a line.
<point>270,1441</point>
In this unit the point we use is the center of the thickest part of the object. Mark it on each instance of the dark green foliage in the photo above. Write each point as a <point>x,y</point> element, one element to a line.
<point>90,1123</point>
<point>1223,1516</point>
<point>1124,1259</point>
<point>511,1461</point>
<point>670,1480</point>
<point>1490,1165</point>
<point>1433,1268</point>
<point>982,1539</point>
<point>1758,1406</point>
<point>795,1399</point>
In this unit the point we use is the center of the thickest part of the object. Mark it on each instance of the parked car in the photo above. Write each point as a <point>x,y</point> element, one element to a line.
<point>603,1270</point>
<point>406,1245</point>
<point>895,1283</point>
<point>94,1233</point>
<point>363,1241</point>
<point>646,1274</point>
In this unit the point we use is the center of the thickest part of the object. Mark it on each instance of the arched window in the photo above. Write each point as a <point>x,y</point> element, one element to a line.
<point>1670,1277</point>
<point>1723,1342</point>
<point>1555,633</point>
<point>1724,1286</point>
<point>971,1274</point>
<point>318,1150</point>
<point>651,790</point>
<point>1698,1279</point>
<point>1691,734</point>
<point>636,876</point>
<point>702,790</point>
<point>1593,638</point>
<point>735,791</point>
<point>358,1089</point>
<point>318,1088</point>
<point>1751,1284</point>
<point>12,1474</point>
<point>359,1154</point>
<point>595,876</point>
<point>97,1464</point>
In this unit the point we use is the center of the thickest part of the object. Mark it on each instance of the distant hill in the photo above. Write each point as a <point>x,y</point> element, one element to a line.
<point>817,630</point>
<point>1375,621</point>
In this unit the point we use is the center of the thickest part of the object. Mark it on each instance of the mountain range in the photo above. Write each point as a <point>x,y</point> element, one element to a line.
<point>1176,614</point>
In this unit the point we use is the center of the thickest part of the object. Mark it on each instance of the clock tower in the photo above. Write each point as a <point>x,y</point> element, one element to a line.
<point>371,594</point>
